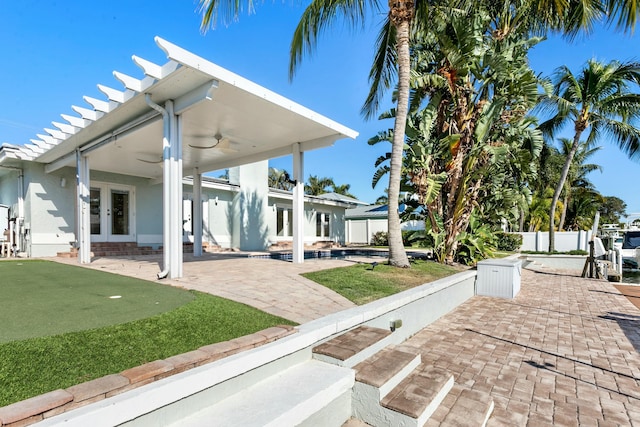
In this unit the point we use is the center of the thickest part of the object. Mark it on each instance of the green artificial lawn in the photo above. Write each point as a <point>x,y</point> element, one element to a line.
<point>46,298</point>
<point>362,283</point>
<point>38,365</point>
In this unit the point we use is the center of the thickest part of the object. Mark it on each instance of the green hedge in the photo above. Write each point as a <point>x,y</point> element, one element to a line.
<point>508,241</point>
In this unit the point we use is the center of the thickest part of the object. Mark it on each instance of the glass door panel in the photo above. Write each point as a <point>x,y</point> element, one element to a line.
<point>119,212</point>
<point>96,211</point>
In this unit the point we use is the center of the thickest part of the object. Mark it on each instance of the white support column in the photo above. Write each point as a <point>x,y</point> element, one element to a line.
<point>178,195</point>
<point>298,205</point>
<point>83,207</point>
<point>174,197</point>
<point>197,213</point>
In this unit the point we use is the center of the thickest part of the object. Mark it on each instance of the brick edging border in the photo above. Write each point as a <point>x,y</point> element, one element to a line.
<point>56,402</point>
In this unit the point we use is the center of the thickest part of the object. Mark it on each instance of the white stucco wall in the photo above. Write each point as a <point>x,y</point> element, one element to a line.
<point>49,209</point>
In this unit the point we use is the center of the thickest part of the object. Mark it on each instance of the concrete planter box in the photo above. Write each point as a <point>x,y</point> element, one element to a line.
<point>499,278</point>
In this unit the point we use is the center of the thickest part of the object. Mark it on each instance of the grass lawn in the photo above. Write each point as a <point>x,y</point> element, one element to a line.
<point>104,335</point>
<point>360,283</point>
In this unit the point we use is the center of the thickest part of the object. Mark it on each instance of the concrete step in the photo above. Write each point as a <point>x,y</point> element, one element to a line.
<point>415,399</point>
<point>353,346</point>
<point>306,394</point>
<point>471,408</point>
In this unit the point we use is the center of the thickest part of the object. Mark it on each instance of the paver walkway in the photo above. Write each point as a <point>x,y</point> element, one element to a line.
<point>564,352</point>
<point>273,286</point>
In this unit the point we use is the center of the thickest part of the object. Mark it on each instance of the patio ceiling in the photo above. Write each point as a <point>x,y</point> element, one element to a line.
<point>123,134</point>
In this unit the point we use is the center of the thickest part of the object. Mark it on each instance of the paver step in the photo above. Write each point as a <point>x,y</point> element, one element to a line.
<point>416,398</point>
<point>385,370</point>
<point>281,400</point>
<point>353,346</point>
<point>472,408</point>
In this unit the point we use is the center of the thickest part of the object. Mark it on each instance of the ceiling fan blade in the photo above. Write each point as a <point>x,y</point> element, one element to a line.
<point>153,162</point>
<point>203,147</point>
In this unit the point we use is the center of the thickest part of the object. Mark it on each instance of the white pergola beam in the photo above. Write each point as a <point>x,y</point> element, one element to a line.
<point>56,134</point>
<point>132,83</point>
<point>86,113</point>
<point>116,95</point>
<point>48,139</point>
<point>154,70</point>
<point>199,94</point>
<point>100,105</point>
<point>41,144</point>
<point>65,128</point>
<point>79,122</point>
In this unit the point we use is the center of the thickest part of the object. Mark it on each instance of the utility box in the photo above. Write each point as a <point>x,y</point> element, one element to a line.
<point>499,278</point>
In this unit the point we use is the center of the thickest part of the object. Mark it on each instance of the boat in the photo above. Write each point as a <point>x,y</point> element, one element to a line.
<point>630,249</point>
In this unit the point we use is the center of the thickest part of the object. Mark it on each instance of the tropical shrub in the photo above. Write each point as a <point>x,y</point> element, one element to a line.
<point>381,238</point>
<point>508,241</point>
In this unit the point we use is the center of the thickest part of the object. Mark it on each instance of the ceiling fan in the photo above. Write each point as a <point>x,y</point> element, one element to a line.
<point>222,144</point>
<point>153,162</point>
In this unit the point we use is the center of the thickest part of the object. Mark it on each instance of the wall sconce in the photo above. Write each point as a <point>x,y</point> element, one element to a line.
<point>216,201</point>
<point>63,182</point>
<point>395,324</point>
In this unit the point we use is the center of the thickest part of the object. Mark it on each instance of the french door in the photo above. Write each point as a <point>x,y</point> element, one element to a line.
<point>112,213</point>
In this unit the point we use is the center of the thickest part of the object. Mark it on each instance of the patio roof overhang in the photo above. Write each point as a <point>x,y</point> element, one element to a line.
<point>254,123</point>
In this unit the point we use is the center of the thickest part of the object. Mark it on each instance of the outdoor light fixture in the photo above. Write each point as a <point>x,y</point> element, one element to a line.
<point>395,324</point>
<point>63,182</point>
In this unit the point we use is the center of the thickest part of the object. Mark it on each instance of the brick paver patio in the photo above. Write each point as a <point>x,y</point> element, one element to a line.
<point>564,352</point>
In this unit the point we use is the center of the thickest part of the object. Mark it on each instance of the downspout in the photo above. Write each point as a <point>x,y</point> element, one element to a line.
<point>165,184</point>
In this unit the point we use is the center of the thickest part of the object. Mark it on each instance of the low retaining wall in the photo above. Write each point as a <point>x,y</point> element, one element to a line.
<point>558,262</point>
<point>47,405</point>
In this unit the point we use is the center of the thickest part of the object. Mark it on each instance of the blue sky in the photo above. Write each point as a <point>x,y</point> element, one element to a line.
<point>55,52</point>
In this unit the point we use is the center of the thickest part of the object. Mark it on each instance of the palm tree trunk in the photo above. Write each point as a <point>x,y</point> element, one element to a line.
<point>397,254</point>
<point>563,215</point>
<point>560,186</point>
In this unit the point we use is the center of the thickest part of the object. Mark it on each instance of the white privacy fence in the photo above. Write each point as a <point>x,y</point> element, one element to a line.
<point>565,241</point>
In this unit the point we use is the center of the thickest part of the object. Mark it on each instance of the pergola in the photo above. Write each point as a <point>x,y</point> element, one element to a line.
<point>150,129</point>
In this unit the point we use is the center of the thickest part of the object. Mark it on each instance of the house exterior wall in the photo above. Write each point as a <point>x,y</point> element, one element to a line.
<point>239,217</point>
<point>9,189</point>
<point>249,224</point>
<point>337,231</point>
<point>50,211</point>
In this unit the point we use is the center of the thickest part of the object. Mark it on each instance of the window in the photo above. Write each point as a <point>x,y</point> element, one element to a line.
<point>284,222</point>
<point>322,224</point>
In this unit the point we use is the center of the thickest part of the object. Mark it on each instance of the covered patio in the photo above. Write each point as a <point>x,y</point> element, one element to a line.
<point>183,118</point>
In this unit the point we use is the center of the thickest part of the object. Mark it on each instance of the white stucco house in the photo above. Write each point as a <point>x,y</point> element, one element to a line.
<point>130,168</point>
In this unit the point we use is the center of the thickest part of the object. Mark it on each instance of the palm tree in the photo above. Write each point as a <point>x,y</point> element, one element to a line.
<point>393,57</point>
<point>597,101</point>
<point>280,179</point>
<point>343,189</point>
<point>577,181</point>
<point>317,186</point>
